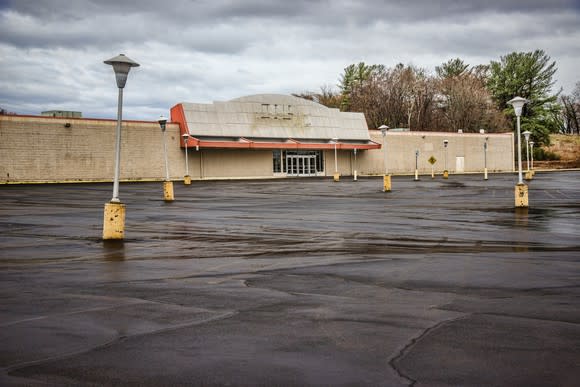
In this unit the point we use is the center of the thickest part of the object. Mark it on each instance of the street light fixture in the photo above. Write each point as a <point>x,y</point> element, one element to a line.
<point>167,184</point>
<point>485,159</point>
<point>521,190</point>
<point>445,171</point>
<point>114,214</point>
<point>417,165</point>
<point>355,173</point>
<point>532,155</point>
<point>336,175</point>
<point>386,177</point>
<point>527,134</point>
<point>186,178</point>
<point>527,137</point>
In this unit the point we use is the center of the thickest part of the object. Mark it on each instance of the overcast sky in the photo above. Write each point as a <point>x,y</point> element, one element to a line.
<point>52,51</point>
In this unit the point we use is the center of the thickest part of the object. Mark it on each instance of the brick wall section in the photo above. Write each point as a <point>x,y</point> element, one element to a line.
<point>44,149</point>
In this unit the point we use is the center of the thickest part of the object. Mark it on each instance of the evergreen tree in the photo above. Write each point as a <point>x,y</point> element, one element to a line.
<point>528,75</point>
<point>452,68</point>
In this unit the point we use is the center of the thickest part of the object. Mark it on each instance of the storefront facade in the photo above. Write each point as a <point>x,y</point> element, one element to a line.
<point>260,136</point>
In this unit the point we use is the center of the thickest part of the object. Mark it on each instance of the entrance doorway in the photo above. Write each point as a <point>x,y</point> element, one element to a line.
<point>459,164</point>
<point>301,165</point>
<point>298,163</point>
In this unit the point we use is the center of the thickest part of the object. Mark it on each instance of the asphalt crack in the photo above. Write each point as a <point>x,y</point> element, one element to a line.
<point>409,346</point>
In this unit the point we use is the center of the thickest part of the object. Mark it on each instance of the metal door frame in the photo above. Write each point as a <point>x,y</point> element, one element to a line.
<point>301,165</point>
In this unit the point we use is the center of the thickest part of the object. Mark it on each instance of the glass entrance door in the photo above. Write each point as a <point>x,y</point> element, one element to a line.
<point>301,165</point>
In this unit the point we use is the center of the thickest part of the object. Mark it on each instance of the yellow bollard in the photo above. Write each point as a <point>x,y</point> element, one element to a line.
<point>114,221</point>
<point>521,195</point>
<point>168,191</point>
<point>386,183</point>
<point>528,175</point>
<point>187,180</point>
<point>446,174</point>
<point>336,176</point>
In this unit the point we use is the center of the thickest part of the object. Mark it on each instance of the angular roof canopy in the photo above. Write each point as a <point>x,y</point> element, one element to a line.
<point>271,121</point>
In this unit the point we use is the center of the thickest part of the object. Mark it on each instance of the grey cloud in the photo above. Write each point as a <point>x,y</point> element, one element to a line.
<point>227,26</point>
<point>205,50</point>
<point>196,10</point>
<point>22,31</point>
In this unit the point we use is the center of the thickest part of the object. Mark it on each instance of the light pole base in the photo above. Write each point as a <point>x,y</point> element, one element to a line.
<point>187,180</point>
<point>114,221</point>
<point>386,183</point>
<point>336,176</point>
<point>528,175</point>
<point>355,175</point>
<point>521,195</point>
<point>485,174</point>
<point>446,174</point>
<point>168,191</point>
<point>416,175</point>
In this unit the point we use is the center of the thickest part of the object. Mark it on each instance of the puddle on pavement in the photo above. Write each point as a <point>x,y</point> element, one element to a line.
<point>114,251</point>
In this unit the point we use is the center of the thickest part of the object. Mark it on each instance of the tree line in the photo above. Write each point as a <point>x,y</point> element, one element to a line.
<point>458,96</point>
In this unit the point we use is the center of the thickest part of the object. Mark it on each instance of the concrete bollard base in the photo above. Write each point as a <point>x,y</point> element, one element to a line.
<point>114,221</point>
<point>336,176</point>
<point>528,175</point>
<point>386,183</point>
<point>521,195</point>
<point>168,191</point>
<point>446,174</point>
<point>187,180</point>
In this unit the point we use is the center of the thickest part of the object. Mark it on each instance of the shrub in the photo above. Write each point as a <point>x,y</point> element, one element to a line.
<point>541,154</point>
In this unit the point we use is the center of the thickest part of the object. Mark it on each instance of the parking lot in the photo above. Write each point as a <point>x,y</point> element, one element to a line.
<point>294,282</point>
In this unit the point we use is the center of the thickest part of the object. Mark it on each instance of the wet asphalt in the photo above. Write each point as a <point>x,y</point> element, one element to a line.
<point>293,282</point>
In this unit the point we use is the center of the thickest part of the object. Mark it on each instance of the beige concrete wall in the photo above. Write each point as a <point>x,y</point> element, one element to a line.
<point>343,161</point>
<point>37,149</point>
<point>234,163</point>
<point>401,147</point>
<point>46,149</point>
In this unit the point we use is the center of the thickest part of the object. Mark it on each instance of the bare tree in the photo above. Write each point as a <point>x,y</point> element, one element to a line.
<point>327,97</point>
<point>464,101</point>
<point>406,96</point>
<point>571,111</point>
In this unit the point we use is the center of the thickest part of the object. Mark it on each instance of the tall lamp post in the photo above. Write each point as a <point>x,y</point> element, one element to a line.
<point>167,184</point>
<point>445,171</point>
<point>526,134</point>
<point>485,159</point>
<point>114,214</point>
<point>417,165</point>
<point>521,190</point>
<point>386,176</point>
<point>186,178</point>
<point>354,174</point>
<point>336,174</point>
<point>532,156</point>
